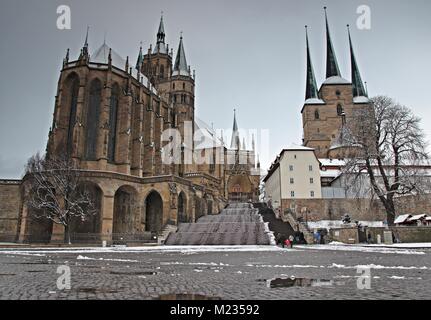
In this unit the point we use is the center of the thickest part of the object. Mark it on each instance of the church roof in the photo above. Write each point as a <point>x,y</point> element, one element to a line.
<point>311,91</point>
<point>332,68</point>
<point>208,138</point>
<point>181,68</point>
<point>358,86</point>
<point>161,47</point>
<point>336,80</point>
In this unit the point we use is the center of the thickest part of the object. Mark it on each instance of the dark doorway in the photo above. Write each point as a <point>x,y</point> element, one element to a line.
<point>182,205</point>
<point>153,212</point>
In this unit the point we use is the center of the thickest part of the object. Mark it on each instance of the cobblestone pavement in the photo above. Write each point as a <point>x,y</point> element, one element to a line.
<point>227,275</point>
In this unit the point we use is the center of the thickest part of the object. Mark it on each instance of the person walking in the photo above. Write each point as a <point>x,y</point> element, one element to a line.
<point>291,239</point>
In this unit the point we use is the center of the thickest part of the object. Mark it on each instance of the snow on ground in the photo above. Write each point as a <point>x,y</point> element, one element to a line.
<point>361,248</point>
<point>339,266</point>
<point>334,224</point>
<point>180,249</point>
<point>103,259</point>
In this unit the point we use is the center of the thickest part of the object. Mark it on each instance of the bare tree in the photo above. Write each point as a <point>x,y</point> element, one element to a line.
<point>388,150</point>
<point>56,192</point>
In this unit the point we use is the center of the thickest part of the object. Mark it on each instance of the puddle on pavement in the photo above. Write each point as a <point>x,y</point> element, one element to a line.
<point>36,271</point>
<point>135,273</point>
<point>299,282</point>
<point>7,274</point>
<point>186,296</point>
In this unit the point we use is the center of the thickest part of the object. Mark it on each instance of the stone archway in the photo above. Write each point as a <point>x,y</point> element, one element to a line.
<point>153,212</point>
<point>39,228</point>
<point>182,208</point>
<point>125,207</point>
<point>92,224</point>
<point>199,208</point>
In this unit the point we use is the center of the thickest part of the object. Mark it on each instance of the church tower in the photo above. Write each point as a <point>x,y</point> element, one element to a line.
<point>327,111</point>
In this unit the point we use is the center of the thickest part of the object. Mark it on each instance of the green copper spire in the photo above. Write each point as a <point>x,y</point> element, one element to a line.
<point>357,84</point>
<point>311,85</point>
<point>332,69</point>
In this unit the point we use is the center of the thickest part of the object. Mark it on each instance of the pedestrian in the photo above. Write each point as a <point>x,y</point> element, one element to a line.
<point>287,243</point>
<point>291,239</point>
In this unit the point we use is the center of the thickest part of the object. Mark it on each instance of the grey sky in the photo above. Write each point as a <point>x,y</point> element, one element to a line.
<point>248,55</point>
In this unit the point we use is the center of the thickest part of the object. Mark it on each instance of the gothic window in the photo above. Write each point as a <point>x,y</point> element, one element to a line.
<point>173,86</point>
<point>175,98</point>
<point>339,110</point>
<point>316,115</point>
<point>184,86</point>
<point>113,114</point>
<point>74,88</point>
<point>92,123</point>
<point>162,71</point>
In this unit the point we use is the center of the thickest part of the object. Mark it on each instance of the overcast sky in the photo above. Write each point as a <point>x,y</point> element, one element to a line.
<point>248,55</point>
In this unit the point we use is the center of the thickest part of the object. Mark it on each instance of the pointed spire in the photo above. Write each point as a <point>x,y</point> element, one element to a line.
<point>85,47</point>
<point>358,86</point>
<point>331,59</point>
<point>235,141</point>
<point>311,85</point>
<point>161,31</point>
<point>140,59</point>
<point>181,67</point>
<point>127,64</point>
<point>253,145</point>
<point>110,58</point>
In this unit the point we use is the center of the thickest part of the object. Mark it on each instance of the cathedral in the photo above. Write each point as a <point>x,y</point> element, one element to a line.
<point>111,117</point>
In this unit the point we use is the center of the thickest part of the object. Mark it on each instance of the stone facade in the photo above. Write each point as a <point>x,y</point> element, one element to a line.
<point>358,209</point>
<point>10,207</point>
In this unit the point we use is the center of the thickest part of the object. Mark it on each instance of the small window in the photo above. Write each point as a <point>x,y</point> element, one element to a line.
<point>173,86</point>
<point>294,156</point>
<point>292,194</point>
<point>310,168</point>
<point>311,180</point>
<point>312,194</point>
<point>316,115</point>
<point>184,86</point>
<point>338,93</point>
<point>292,181</point>
<point>290,168</point>
<point>340,110</point>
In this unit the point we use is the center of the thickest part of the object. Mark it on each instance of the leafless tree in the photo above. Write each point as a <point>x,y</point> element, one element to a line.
<point>388,149</point>
<point>56,192</point>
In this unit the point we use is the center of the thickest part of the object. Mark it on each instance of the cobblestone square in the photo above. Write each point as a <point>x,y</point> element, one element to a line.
<point>231,273</point>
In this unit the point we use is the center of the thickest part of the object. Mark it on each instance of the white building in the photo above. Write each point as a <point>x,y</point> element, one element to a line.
<point>295,174</point>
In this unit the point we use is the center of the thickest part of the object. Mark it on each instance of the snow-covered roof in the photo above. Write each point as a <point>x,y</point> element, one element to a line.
<point>361,100</point>
<point>402,218</point>
<point>330,173</point>
<point>101,56</point>
<point>332,162</point>
<point>417,217</point>
<point>336,80</point>
<point>160,48</point>
<point>314,101</point>
<point>208,137</point>
<point>296,147</point>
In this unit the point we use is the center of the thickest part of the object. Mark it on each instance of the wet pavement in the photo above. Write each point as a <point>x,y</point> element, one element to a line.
<point>302,273</point>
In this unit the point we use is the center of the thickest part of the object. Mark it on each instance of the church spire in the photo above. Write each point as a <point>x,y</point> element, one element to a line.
<point>181,67</point>
<point>140,59</point>
<point>311,85</point>
<point>85,47</point>
<point>235,142</point>
<point>161,31</point>
<point>357,84</point>
<point>332,69</point>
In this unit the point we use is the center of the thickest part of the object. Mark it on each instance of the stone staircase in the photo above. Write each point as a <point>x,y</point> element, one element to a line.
<point>238,224</point>
<point>167,230</point>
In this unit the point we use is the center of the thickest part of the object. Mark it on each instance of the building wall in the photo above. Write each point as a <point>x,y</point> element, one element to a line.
<point>10,206</point>
<point>301,174</point>
<point>273,189</point>
<point>358,209</point>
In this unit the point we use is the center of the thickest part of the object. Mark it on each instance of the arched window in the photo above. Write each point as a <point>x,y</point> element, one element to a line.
<point>162,71</point>
<point>184,86</point>
<point>113,114</point>
<point>316,115</point>
<point>173,86</point>
<point>92,123</point>
<point>339,110</point>
<point>73,90</point>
